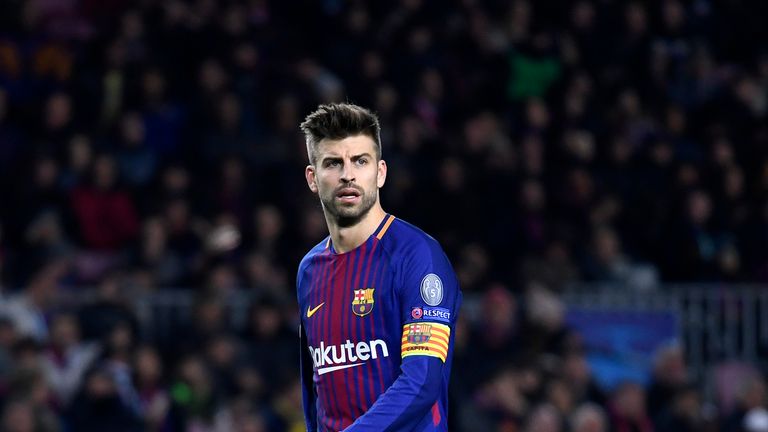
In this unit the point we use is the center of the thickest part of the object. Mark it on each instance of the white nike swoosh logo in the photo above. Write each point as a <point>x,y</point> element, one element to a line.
<point>325,370</point>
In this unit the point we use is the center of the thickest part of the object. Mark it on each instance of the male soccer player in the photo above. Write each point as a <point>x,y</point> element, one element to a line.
<point>378,297</point>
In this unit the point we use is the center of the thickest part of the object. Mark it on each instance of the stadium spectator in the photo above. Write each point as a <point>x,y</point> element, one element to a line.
<point>588,418</point>
<point>18,416</point>
<point>627,409</point>
<point>67,357</point>
<point>98,406</point>
<point>148,379</point>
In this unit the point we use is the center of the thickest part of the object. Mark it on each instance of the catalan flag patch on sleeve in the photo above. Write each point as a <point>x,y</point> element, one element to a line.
<point>425,338</point>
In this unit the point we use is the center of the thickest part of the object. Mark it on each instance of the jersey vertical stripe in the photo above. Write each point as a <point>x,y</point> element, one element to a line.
<point>377,281</point>
<point>374,368</point>
<point>310,330</point>
<point>344,319</point>
<point>324,263</point>
<point>378,277</point>
<point>343,377</point>
<point>326,332</point>
<point>327,281</point>
<point>316,270</point>
<point>338,279</point>
<point>354,382</point>
<point>368,333</point>
<point>360,330</point>
<point>335,329</point>
<point>358,324</point>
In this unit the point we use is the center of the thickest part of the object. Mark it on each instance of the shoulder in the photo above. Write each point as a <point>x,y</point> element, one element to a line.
<point>405,240</point>
<point>423,271</point>
<point>312,254</point>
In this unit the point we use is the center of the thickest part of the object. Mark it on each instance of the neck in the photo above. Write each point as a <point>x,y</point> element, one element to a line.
<point>348,237</point>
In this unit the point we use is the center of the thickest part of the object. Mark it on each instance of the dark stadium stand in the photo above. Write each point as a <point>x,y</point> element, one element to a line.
<point>570,156</point>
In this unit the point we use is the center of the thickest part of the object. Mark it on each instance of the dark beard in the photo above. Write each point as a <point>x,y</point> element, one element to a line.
<point>347,220</point>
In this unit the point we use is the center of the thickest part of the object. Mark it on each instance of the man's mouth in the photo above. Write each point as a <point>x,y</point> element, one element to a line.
<point>348,194</point>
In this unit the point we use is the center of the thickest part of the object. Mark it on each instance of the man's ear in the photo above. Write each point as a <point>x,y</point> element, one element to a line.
<point>381,175</point>
<point>309,173</point>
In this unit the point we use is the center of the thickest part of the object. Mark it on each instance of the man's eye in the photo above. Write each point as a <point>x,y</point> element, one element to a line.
<point>333,164</point>
<point>362,161</point>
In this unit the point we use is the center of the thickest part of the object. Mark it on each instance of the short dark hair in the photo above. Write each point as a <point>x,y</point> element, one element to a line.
<point>338,121</point>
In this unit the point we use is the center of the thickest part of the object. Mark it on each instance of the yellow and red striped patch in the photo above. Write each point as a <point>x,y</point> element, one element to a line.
<point>425,338</point>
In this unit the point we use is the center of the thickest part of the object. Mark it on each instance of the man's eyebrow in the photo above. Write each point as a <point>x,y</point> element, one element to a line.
<point>358,156</point>
<point>338,157</point>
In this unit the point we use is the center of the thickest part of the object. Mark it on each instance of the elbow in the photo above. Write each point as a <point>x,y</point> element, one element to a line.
<point>428,397</point>
<point>431,385</point>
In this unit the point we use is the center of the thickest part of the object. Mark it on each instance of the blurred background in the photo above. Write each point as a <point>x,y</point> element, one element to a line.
<point>597,171</point>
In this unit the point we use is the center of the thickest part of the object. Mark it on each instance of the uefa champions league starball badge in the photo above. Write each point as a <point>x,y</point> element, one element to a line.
<point>432,289</point>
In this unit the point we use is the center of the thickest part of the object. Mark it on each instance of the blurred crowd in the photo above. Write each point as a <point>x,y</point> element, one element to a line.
<point>152,146</point>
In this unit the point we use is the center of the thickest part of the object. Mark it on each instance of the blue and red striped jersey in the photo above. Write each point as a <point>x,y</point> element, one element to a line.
<point>377,327</point>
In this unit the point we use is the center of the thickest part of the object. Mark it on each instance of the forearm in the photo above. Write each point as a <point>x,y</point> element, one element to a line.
<point>408,399</point>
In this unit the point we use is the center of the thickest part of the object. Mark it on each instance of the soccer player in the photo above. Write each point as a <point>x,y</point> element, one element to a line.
<point>378,297</point>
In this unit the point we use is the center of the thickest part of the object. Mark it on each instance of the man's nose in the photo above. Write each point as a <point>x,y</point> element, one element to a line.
<point>347,173</point>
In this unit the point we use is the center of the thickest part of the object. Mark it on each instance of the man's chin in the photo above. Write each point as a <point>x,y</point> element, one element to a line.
<point>348,216</point>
